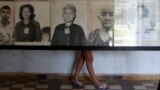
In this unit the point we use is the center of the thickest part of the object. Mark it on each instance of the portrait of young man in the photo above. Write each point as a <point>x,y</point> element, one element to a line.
<point>6,28</point>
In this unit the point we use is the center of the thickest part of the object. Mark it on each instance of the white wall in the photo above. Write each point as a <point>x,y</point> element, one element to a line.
<point>105,62</point>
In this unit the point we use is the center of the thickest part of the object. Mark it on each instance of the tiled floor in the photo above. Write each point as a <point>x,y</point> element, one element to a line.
<point>58,85</point>
<point>24,84</point>
<point>118,85</point>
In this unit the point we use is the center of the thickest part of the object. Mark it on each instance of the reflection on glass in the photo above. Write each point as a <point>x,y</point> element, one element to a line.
<point>146,23</point>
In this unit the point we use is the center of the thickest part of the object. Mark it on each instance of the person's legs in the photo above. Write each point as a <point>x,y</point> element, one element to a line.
<point>87,55</point>
<point>79,66</point>
<point>89,63</point>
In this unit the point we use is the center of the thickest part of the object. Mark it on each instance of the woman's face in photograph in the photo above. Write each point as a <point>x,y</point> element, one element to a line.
<point>26,13</point>
<point>68,15</point>
<point>106,18</point>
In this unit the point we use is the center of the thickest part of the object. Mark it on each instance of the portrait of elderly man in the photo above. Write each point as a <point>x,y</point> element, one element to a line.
<point>68,33</point>
<point>6,33</point>
<point>101,36</point>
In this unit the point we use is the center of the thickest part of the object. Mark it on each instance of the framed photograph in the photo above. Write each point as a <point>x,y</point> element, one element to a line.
<point>144,32</point>
<point>32,22</point>
<point>146,23</point>
<point>125,23</point>
<point>69,23</point>
<point>101,23</point>
<point>6,22</point>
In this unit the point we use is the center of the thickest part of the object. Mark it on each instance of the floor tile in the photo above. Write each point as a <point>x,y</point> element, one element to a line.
<point>148,84</point>
<point>42,86</point>
<point>140,88</point>
<point>32,83</point>
<point>4,88</point>
<point>28,89</point>
<point>66,86</point>
<point>90,87</point>
<point>18,85</point>
<point>117,87</point>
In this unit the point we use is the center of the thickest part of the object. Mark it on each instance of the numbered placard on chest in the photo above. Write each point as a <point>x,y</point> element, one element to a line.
<point>26,30</point>
<point>67,31</point>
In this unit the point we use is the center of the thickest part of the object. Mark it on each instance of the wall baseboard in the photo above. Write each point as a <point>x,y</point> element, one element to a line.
<point>66,77</point>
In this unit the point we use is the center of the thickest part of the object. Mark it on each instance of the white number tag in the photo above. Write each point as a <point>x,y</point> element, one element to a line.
<point>26,30</point>
<point>67,30</point>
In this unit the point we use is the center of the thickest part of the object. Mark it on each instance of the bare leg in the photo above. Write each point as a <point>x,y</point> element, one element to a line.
<point>89,63</point>
<point>79,66</point>
<point>86,55</point>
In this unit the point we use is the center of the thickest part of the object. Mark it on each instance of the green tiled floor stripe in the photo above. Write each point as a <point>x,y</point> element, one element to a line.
<point>126,85</point>
<point>54,84</point>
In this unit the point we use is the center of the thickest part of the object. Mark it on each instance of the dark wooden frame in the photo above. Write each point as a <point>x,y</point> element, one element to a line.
<point>126,48</point>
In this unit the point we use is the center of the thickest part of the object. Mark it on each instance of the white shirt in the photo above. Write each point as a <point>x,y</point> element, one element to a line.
<point>6,34</point>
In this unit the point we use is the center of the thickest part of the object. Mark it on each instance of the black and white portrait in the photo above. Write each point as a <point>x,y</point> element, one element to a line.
<point>28,29</point>
<point>102,23</point>
<point>6,22</point>
<point>46,34</point>
<point>69,23</point>
<point>32,22</point>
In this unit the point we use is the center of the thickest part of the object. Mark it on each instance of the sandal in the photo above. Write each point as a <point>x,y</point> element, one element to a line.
<point>77,85</point>
<point>103,87</point>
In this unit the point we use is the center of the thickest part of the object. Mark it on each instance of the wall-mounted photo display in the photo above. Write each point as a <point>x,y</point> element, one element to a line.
<point>32,22</point>
<point>6,22</point>
<point>101,23</point>
<point>69,22</point>
<point>80,24</point>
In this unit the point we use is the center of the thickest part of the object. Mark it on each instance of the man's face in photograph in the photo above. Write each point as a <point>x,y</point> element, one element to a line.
<point>5,15</point>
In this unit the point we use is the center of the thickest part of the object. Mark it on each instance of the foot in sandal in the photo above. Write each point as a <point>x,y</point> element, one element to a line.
<point>77,85</point>
<point>103,87</point>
